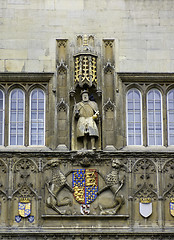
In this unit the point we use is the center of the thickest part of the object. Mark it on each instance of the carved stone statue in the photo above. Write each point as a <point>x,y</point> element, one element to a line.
<point>114,184</point>
<point>54,187</point>
<point>86,112</point>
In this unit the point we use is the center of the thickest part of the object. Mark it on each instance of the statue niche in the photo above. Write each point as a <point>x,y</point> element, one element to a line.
<point>86,116</point>
<point>85,130</point>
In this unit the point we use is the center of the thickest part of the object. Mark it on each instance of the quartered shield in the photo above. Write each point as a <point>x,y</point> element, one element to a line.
<point>85,185</point>
<point>145,207</point>
<point>171,205</point>
<point>24,208</point>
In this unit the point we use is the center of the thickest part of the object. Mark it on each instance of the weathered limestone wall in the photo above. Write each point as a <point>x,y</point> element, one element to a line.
<point>143,31</point>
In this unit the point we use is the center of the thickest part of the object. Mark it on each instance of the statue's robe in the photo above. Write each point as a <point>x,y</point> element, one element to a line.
<point>86,124</point>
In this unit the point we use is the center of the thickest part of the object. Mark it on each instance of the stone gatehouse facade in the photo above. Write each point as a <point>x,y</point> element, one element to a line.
<point>86,119</point>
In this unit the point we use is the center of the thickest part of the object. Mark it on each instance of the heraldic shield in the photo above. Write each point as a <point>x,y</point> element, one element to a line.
<point>145,207</point>
<point>172,207</point>
<point>85,185</point>
<point>24,207</point>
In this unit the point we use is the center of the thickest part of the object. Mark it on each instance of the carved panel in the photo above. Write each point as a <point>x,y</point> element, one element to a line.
<point>144,177</point>
<point>108,123</point>
<point>168,179</point>
<point>25,179</point>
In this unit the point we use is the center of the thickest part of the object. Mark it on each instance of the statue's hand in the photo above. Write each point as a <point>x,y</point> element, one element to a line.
<point>95,116</point>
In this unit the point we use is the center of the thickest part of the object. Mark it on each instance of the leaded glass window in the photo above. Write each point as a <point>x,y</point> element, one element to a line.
<point>134,124</point>
<point>154,117</point>
<point>37,117</point>
<point>170,116</point>
<point>2,104</point>
<point>16,126</point>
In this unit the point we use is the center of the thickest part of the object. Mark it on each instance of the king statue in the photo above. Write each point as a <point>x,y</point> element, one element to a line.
<point>86,112</point>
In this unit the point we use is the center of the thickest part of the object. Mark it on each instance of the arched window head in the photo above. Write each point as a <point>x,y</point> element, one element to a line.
<point>2,104</point>
<point>134,124</point>
<point>170,116</point>
<point>16,126</point>
<point>154,118</point>
<point>37,117</point>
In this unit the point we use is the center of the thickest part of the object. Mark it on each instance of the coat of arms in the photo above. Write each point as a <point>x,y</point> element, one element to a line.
<point>172,206</point>
<point>24,207</point>
<point>145,207</point>
<point>85,185</point>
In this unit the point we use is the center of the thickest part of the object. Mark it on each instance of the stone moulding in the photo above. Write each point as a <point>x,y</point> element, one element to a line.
<point>104,235</point>
<point>24,77</point>
<point>48,216</point>
<point>147,77</point>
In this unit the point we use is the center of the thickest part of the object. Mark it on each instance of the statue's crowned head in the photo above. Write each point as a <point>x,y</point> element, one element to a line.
<point>85,96</point>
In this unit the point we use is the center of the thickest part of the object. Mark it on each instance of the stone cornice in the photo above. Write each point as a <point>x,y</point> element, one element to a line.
<point>147,77</point>
<point>26,77</point>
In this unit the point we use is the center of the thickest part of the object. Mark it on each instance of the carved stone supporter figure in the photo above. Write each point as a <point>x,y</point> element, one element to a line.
<point>86,112</point>
<point>114,184</point>
<point>55,186</point>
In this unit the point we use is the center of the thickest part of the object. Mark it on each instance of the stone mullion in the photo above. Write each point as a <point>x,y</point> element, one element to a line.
<point>164,112</point>
<point>130,194</point>
<point>160,182</point>
<point>159,194</point>
<point>144,118</point>
<point>7,117</point>
<point>40,194</point>
<point>10,191</point>
<point>27,116</point>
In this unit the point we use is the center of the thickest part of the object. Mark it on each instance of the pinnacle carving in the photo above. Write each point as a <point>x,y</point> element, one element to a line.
<point>62,42</point>
<point>62,67</point>
<point>108,43</point>
<point>108,68</point>
<point>109,106</point>
<point>62,106</point>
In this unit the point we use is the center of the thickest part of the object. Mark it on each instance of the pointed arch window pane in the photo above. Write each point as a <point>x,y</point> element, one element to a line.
<point>134,129</point>
<point>170,116</point>
<point>2,104</point>
<point>16,127</point>
<point>154,117</point>
<point>37,117</point>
